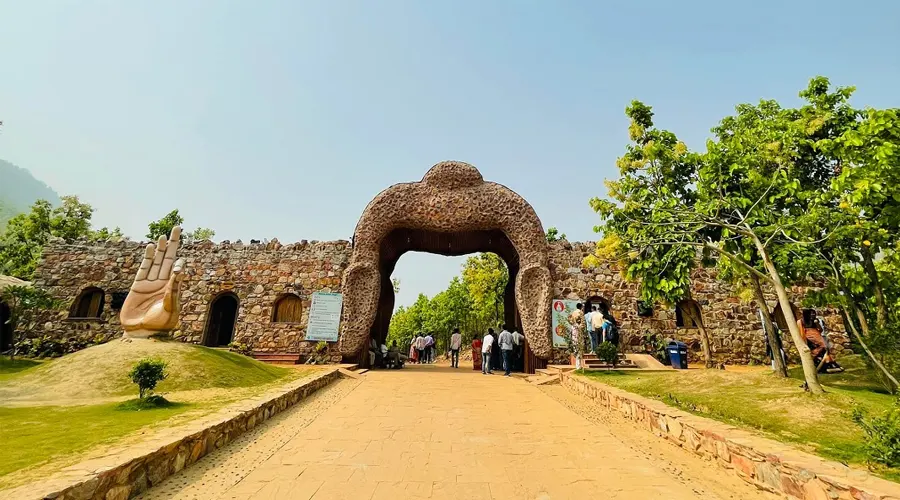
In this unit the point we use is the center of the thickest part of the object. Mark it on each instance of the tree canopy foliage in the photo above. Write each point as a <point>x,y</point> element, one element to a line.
<point>25,235</point>
<point>471,302</point>
<point>163,227</point>
<point>781,196</point>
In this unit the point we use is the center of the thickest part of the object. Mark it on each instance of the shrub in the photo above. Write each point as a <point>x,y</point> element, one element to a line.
<point>240,348</point>
<point>883,432</point>
<point>50,347</point>
<point>147,373</point>
<point>655,345</point>
<point>319,355</point>
<point>148,403</point>
<point>608,353</point>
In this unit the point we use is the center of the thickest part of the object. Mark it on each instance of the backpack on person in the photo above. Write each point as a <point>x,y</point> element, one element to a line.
<point>612,333</point>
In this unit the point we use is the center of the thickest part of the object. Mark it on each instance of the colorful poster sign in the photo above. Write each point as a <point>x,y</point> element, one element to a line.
<point>324,316</point>
<point>560,310</point>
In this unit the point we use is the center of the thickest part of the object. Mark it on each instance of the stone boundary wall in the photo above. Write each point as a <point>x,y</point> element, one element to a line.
<point>733,324</point>
<point>256,273</point>
<point>151,463</point>
<point>765,463</point>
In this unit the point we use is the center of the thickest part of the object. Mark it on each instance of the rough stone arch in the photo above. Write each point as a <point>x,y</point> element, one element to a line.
<point>451,205</point>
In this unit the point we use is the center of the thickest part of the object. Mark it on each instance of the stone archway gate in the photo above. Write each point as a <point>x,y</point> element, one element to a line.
<point>451,211</point>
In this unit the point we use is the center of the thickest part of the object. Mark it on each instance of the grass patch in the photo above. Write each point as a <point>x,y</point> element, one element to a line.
<point>34,435</point>
<point>11,367</point>
<point>149,403</point>
<point>102,372</point>
<point>776,407</point>
<point>203,367</point>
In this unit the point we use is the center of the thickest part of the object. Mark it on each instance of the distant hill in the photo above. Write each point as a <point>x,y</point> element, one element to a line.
<point>19,190</point>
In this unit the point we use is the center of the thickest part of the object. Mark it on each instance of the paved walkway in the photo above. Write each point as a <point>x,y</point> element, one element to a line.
<point>435,432</point>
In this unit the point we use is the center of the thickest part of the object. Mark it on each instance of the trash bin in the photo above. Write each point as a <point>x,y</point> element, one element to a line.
<point>678,355</point>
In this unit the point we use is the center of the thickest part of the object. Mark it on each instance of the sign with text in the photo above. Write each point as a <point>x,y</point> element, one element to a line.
<point>559,312</point>
<point>324,316</point>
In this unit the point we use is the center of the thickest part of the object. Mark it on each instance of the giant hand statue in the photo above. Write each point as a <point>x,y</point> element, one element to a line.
<point>152,305</point>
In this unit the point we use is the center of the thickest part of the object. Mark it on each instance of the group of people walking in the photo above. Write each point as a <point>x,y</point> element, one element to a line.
<point>421,349</point>
<point>592,328</point>
<point>504,351</point>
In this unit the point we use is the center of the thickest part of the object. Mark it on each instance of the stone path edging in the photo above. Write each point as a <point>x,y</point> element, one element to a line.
<point>140,467</point>
<point>765,463</point>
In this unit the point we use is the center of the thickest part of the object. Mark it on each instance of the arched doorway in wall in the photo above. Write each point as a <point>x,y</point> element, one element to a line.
<point>451,211</point>
<point>597,301</point>
<point>88,304</point>
<point>6,334</point>
<point>221,320</point>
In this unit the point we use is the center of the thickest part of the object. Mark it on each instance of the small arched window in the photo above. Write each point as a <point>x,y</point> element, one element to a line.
<point>287,309</point>
<point>687,314</point>
<point>89,304</point>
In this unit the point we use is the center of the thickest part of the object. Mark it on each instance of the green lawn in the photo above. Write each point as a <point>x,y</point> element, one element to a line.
<point>776,407</point>
<point>49,430</point>
<point>33,435</point>
<point>11,367</point>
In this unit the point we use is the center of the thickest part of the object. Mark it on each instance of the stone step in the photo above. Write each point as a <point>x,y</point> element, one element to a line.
<point>277,358</point>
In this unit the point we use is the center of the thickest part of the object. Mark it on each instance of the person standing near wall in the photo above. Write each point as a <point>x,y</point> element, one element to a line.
<point>455,344</point>
<point>486,344</point>
<point>506,347</point>
<point>518,350</point>
<point>576,319</point>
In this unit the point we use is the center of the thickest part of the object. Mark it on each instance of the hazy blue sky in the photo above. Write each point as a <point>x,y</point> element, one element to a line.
<point>284,118</point>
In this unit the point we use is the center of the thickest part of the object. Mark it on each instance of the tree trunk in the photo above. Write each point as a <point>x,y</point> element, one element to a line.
<point>874,359</point>
<point>850,303</point>
<point>704,335</point>
<point>809,367</point>
<point>774,342</point>
<point>880,305</point>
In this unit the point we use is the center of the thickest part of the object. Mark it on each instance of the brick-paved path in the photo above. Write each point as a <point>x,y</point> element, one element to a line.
<point>435,432</point>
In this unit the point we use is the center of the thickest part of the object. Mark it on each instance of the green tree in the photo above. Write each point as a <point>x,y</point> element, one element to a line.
<point>485,276</point>
<point>657,176</point>
<point>199,234</point>
<point>26,234</point>
<point>24,303</point>
<point>147,373</point>
<point>164,226</point>
<point>759,176</point>
<point>553,235</point>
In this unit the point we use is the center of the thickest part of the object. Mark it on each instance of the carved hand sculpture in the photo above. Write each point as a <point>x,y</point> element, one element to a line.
<point>152,305</point>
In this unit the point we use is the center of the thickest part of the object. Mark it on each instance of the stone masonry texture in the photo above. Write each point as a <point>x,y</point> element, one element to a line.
<point>260,273</point>
<point>452,198</point>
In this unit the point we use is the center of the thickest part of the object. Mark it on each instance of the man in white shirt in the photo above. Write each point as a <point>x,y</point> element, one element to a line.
<point>455,343</point>
<point>506,347</point>
<point>420,347</point>
<point>486,345</point>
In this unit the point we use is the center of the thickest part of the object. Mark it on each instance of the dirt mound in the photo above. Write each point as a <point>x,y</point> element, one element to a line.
<point>101,372</point>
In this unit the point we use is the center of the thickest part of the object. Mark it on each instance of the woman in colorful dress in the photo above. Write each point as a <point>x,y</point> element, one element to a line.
<point>576,319</point>
<point>476,353</point>
<point>413,353</point>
